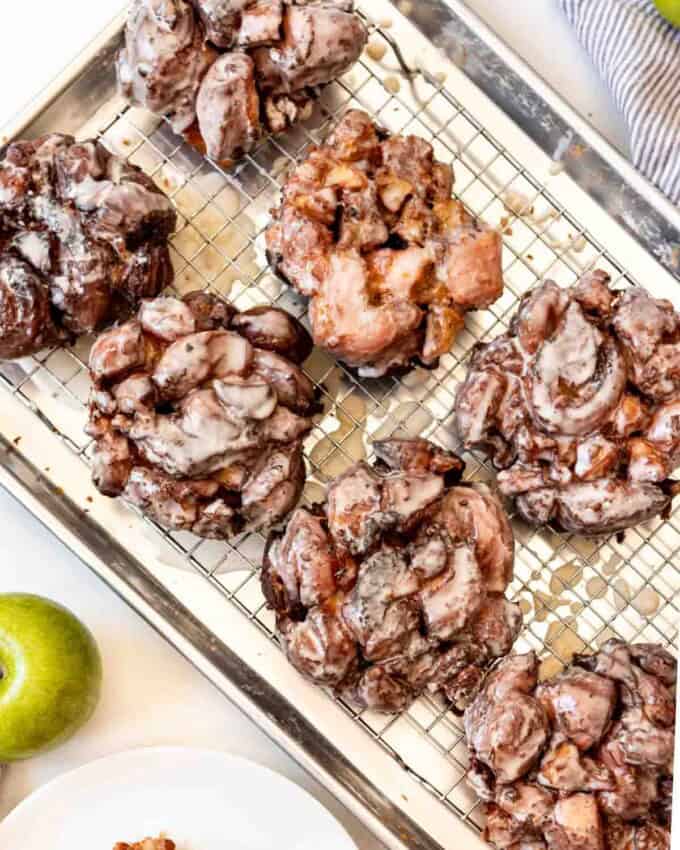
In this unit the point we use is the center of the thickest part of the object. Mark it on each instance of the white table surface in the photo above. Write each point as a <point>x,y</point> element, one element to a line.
<point>151,695</point>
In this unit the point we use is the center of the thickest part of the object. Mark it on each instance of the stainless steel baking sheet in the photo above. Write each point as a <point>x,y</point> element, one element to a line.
<point>565,202</point>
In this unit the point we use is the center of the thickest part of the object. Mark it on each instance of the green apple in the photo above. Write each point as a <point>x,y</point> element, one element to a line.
<point>51,675</point>
<point>670,9</point>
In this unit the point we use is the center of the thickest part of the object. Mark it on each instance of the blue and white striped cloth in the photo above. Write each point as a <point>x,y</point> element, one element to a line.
<point>638,54</point>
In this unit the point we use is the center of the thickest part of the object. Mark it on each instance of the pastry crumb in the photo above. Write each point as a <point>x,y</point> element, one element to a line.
<point>147,844</point>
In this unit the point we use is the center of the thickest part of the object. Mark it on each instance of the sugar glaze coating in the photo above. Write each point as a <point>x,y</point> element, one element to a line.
<point>225,72</point>
<point>82,233</point>
<point>395,586</point>
<point>196,424</point>
<point>578,405</point>
<point>582,760</point>
<point>368,230</point>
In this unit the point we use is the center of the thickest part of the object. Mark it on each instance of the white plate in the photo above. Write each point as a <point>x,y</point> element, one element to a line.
<point>203,800</point>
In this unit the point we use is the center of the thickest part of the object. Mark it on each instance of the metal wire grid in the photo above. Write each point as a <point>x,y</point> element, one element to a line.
<point>574,593</point>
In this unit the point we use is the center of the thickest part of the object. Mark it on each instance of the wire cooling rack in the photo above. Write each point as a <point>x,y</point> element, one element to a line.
<point>574,593</point>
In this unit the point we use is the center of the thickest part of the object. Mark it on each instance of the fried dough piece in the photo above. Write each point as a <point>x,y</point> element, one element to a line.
<point>368,230</point>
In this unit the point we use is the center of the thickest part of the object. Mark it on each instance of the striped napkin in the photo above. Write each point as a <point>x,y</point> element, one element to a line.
<point>637,52</point>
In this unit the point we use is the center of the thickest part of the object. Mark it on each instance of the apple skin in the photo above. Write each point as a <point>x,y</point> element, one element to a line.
<point>670,9</point>
<point>51,675</point>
